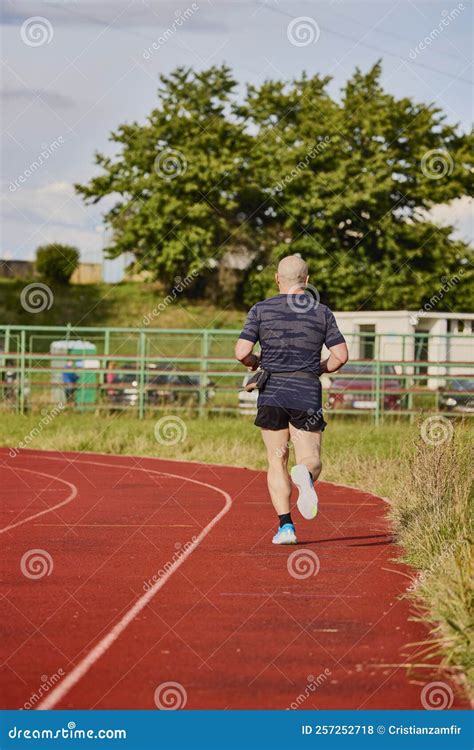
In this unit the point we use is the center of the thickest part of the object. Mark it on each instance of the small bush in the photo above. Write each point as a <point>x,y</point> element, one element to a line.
<point>56,263</point>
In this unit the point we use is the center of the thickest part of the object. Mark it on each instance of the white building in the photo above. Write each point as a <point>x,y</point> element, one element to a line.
<point>411,337</point>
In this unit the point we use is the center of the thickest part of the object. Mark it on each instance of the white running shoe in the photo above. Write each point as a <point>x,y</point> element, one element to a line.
<point>285,535</point>
<point>308,500</point>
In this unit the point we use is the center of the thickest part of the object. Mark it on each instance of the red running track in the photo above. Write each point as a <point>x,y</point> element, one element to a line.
<point>124,574</point>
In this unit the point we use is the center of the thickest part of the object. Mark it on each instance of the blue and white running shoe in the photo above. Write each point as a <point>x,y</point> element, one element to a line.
<point>285,535</point>
<point>308,500</point>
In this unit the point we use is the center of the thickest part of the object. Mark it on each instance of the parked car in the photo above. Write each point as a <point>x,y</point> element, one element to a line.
<point>187,388</point>
<point>160,387</point>
<point>457,395</point>
<point>355,387</point>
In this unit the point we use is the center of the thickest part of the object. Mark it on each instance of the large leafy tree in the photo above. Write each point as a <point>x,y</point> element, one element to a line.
<point>357,210</point>
<point>286,168</point>
<point>182,181</point>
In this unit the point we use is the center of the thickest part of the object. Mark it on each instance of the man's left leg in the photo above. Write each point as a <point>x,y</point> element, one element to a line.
<point>308,467</point>
<point>278,481</point>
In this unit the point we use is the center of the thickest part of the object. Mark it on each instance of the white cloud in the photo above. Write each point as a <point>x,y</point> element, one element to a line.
<point>459,213</point>
<point>87,242</point>
<point>51,213</point>
<point>56,203</point>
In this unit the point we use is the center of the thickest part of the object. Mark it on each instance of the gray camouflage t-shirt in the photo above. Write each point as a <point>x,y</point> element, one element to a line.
<point>291,330</point>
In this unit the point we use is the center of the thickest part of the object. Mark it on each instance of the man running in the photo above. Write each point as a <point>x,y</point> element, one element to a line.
<point>291,328</point>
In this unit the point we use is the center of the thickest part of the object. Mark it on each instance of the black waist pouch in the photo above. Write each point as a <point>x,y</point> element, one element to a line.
<point>257,381</point>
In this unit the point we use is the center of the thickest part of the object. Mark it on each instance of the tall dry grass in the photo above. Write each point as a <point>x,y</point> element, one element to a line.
<point>432,513</point>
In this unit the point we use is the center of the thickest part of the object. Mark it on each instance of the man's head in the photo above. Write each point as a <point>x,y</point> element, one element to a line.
<point>292,274</point>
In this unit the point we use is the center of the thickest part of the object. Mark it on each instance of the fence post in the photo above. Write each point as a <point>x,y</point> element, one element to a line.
<point>378,390</point>
<point>6,342</point>
<point>104,365</point>
<point>141,375</point>
<point>22,370</point>
<point>203,372</point>
<point>107,342</point>
<point>4,370</point>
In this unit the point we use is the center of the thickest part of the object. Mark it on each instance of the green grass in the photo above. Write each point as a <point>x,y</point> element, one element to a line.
<point>427,486</point>
<point>123,304</point>
<point>350,445</point>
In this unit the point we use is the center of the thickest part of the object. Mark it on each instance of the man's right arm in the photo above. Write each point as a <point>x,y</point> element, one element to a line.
<point>245,355</point>
<point>338,356</point>
<point>247,340</point>
<point>335,342</point>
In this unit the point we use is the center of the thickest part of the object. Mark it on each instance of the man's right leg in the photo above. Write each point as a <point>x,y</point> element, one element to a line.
<point>307,447</point>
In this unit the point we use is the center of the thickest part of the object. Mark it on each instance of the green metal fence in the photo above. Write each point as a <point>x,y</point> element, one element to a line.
<point>144,370</point>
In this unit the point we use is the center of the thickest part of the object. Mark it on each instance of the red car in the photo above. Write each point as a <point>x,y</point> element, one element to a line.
<point>355,387</point>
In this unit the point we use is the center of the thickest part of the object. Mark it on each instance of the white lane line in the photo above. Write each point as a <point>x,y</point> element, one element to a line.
<point>14,490</point>
<point>70,497</point>
<point>106,642</point>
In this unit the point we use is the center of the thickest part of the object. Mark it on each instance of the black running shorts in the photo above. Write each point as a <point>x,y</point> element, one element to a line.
<point>278,418</point>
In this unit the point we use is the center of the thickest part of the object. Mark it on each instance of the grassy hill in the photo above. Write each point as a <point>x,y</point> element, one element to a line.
<point>124,304</point>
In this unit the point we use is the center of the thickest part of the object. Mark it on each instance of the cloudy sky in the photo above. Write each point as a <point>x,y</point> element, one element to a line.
<point>74,69</point>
